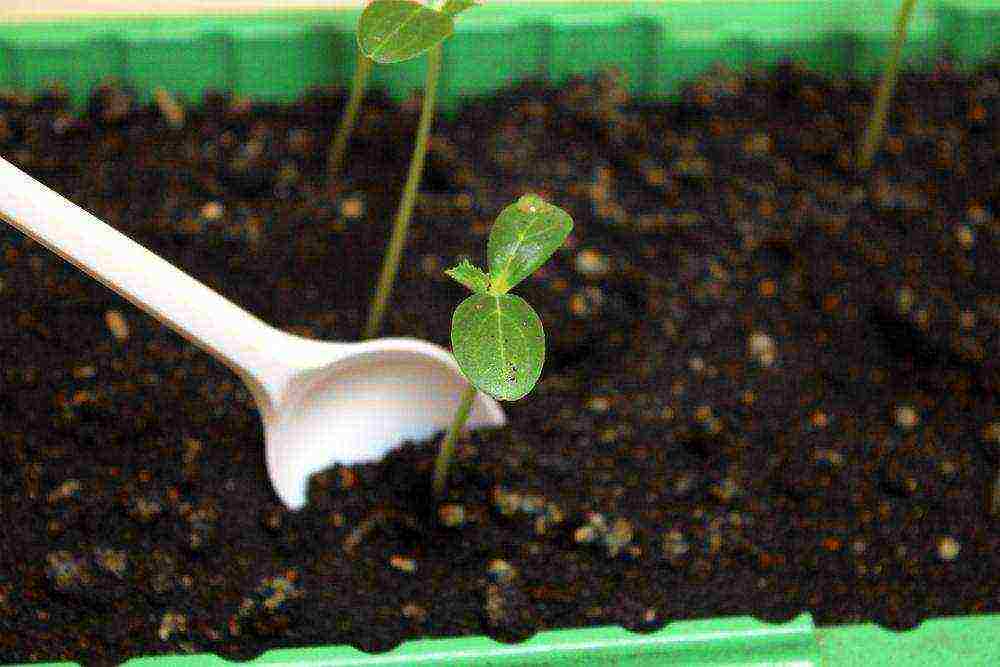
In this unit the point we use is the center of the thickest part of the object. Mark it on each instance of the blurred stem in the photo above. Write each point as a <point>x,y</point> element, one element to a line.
<point>338,148</point>
<point>390,265</point>
<point>995,501</point>
<point>872,139</point>
<point>448,444</point>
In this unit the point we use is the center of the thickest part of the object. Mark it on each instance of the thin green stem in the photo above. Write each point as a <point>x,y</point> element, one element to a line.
<point>872,138</point>
<point>448,444</point>
<point>995,501</point>
<point>338,148</point>
<point>394,252</point>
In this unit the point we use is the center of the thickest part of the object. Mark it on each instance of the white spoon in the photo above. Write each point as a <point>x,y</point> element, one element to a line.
<point>322,402</point>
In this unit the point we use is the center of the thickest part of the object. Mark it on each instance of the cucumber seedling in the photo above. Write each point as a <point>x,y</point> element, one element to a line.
<point>497,337</point>
<point>391,31</point>
<point>388,31</point>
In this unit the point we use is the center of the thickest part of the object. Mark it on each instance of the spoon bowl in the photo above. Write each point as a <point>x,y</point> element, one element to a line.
<point>364,402</point>
<point>322,403</point>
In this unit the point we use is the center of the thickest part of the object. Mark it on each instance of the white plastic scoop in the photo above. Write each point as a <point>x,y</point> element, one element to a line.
<point>322,402</point>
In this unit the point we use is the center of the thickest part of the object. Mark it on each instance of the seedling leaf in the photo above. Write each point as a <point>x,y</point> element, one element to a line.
<point>524,236</point>
<point>454,7</point>
<point>499,344</point>
<point>471,276</point>
<point>391,31</point>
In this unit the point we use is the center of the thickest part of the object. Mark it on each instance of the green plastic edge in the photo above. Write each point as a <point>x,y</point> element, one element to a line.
<point>735,642</point>
<point>658,47</point>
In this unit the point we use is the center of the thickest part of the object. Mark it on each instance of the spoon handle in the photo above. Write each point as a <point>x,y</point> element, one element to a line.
<point>201,315</point>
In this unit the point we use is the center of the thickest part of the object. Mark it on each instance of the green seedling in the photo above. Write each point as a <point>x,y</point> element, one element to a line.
<point>497,337</point>
<point>872,138</point>
<point>391,31</point>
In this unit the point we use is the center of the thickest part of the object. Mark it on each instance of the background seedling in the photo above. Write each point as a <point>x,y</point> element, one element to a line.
<point>391,31</point>
<point>497,337</point>
<point>872,138</point>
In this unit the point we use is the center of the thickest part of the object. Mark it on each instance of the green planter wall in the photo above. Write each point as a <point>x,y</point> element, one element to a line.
<point>658,45</point>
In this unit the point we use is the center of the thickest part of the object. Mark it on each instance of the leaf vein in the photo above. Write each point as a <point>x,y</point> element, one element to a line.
<point>385,40</point>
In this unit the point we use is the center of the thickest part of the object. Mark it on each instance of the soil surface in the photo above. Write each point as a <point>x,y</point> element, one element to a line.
<point>771,385</point>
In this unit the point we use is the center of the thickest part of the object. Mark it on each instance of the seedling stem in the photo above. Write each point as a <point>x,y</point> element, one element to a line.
<point>872,138</point>
<point>338,148</point>
<point>390,265</point>
<point>447,448</point>
<point>995,500</point>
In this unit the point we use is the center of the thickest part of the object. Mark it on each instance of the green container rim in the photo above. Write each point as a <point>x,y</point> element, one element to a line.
<point>658,46</point>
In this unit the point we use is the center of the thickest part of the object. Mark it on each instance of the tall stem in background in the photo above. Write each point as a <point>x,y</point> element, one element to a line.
<point>995,500</point>
<point>876,124</point>
<point>338,148</point>
<point>390,265</point>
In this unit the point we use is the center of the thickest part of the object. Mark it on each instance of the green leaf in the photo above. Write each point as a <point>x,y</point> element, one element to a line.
<point>391,31</point>
<point>471,276</point>
<point>499,344</point>
<point>524,236</point>
<point>454,7</point>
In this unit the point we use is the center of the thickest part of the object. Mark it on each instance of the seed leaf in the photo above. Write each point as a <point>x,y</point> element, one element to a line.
<point>524,236</point>
<point>454,7</point>
<point>499,344</point>
<point>390,31</point>
<point>471,276</point>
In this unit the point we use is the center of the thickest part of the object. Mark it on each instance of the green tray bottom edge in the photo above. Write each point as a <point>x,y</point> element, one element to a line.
<point>968,641</point>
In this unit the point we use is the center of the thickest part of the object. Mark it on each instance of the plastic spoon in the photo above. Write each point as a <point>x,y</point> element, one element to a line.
<point>321,402</point>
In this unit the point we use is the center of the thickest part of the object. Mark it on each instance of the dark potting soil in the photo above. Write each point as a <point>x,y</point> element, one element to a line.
<point>771,385</point>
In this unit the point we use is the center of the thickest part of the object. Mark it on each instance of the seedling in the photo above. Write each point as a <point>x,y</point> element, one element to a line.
<point>497,337</point>
<point>872,138</point>
<point>391,31</point>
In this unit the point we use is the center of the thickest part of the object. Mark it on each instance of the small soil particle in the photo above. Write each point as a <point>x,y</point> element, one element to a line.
<point>948,549</point>
<point>907,417</point>
<point>501,572</point>
<point>267,611</point>
<point>67,572</point>
<point>763,348</point>
<point>352,208</point>
<point>592,263</point>
<point>171,624</point>
<point>117,324</point>
<point>452,515</point>
<point>414,612</point>
<point>615,537</point>
<point>145,509</point>
<point>67,490</point>
<point>403,563</point>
